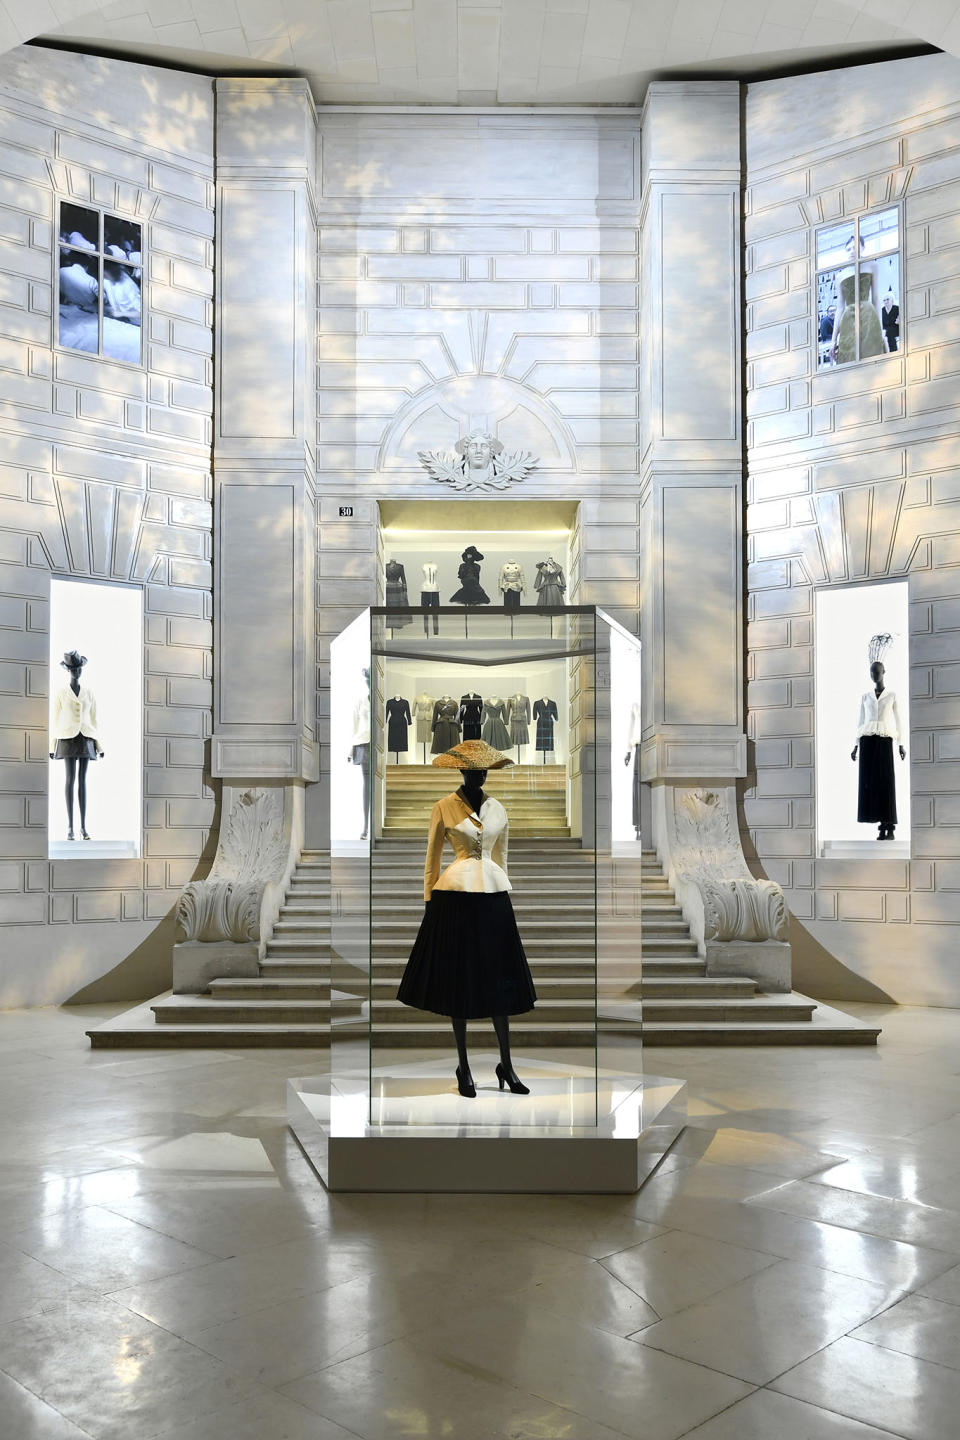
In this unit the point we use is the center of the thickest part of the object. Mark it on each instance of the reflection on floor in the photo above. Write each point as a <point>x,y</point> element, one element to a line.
<point>169,1265</point>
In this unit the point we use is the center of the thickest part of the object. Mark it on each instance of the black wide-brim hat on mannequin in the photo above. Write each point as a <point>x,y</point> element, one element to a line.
<point>73,660</point>
<point>471,553</point>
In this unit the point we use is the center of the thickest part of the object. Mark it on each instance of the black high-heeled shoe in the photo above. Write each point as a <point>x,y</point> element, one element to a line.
<point>70,835</point>
<point>515,1086</point>
<point>84,835</point>
<point>466,1086</point>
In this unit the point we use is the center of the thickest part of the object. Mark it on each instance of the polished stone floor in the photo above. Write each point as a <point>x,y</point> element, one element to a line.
<point>169,1264</point>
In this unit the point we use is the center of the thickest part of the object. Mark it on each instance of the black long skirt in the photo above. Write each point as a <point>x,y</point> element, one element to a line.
<point>468,960</point>
<point>877,794</point>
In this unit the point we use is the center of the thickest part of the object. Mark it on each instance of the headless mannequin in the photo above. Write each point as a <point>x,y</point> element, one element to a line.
<point>472,792</point>
<point>365,771</point>
<point>76,774</point>
<point>877,673</point>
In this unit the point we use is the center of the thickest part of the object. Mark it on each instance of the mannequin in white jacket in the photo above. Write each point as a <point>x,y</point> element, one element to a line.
<point>75,736</point>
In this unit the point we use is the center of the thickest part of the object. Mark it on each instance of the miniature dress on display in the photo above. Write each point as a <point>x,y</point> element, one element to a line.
<point>512,584</point>
<point>423,715</point>
<point>878,727</point>
<point>545,713</point>
<point>471,707</point>
<point>549,584</point>
<point>495,730</point>
<point>468,960</point>
<point>471,591</point>
<point>398,717</point>
<point>518,719</point>
<point>396,594</point>
<point>445,725</point>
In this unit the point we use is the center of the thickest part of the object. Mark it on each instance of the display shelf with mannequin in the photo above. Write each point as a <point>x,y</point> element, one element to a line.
<point>399,720</point>
<point>430,594</point>
<point>360,745</point>
<point>546,714</point>
<point>878,726</point>
<point>468,961</point>
<point>469,715</point>
<point>75,736</point>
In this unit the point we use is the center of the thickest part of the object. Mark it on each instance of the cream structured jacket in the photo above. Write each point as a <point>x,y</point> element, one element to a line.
<point>479,845</point>
<point>74,715</point>
<point>880,715</point>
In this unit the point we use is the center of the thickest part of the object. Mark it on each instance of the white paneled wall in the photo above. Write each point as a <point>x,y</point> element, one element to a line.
<point>105,474</point>
<point>854,475</point>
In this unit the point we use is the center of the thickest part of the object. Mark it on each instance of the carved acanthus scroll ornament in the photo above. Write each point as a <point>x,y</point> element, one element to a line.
<point>708,854</point>
<point>251,853</point>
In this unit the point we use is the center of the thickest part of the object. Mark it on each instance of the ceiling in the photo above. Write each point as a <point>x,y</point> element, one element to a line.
<point>487,52</point>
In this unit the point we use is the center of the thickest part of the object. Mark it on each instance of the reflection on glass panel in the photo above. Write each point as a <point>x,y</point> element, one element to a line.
<point>79,227</point>
<point>879,232</point>
<point>888,298</point>
<point>121,239</point>
<point>828,305</point>
<point>79,289</point>
<point>121,312</point>
<point>835,245</point>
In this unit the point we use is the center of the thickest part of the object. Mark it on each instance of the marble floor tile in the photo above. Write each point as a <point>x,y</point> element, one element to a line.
<point>399,1391</point>
<point>894,1392</point>
<point>26,1417</point>
<point>944,1287</point>
<point>583,1369</point>
<point>28,1287</point>
<point>768,1153</point>
<point>898,1177</point>
<point>103,1250</point>
<point>766,1415</point>
<point>767,1323</point>
<point>917,1325</point>
<point>676,1269</point>
<point>194,1300</point>
<point>905,1220</point>
<point>592,1295</point>
<point>112,1374</point>
<point>261,1415</point>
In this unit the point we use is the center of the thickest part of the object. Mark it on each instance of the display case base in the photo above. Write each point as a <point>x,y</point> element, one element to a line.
<point>430,1140</point>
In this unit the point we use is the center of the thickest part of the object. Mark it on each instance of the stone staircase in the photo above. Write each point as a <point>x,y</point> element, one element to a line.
<point>288,1004</point>
<point>535,797</point>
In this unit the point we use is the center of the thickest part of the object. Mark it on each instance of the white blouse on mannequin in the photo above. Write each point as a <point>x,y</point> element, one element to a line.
<point>431,583</point>
<point>880,715</point>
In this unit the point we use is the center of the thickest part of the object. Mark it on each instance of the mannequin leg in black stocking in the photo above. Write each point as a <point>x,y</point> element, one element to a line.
<point>71,769</point>
<point>505,1071</point>
<point>82,796</point>
<point>464,1079</point>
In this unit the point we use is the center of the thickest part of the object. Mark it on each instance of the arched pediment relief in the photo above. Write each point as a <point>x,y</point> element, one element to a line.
<point>437,417</point>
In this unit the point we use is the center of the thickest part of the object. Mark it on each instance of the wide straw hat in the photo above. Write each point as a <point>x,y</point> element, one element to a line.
<point>472,755</point>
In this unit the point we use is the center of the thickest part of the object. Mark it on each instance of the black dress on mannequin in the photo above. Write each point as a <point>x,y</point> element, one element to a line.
<point>545,713</point>
<point>878,727</point>
<point>445,725</point>
<point>471,591</point>
<point>471,708</point>
<point>396,594</point>
<point>399,719</point>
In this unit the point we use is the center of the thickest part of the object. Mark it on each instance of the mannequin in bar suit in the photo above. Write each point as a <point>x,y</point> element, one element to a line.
<point>75,737</point>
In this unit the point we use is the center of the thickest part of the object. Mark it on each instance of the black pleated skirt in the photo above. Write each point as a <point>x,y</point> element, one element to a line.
<point>468,960</point>
<point>78,747</point>
<point>877,793</point>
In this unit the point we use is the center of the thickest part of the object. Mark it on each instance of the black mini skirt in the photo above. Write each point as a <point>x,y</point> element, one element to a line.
<point>78,747</point>
<point>468,960</point>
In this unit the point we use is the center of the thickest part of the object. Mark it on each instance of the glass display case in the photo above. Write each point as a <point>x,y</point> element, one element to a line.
<point>557,693</point>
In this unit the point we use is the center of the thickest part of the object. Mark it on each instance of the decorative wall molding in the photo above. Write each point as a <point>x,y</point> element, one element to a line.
<point>479,462</point>
<point>250,854</point>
